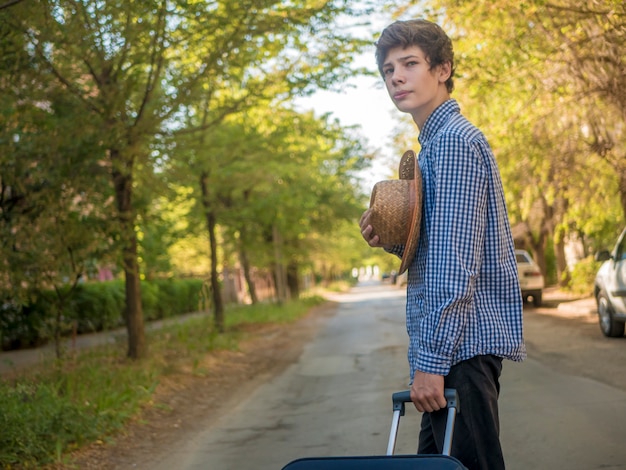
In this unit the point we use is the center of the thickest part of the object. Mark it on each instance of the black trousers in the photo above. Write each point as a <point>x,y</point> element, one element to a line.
<point>476,440</point>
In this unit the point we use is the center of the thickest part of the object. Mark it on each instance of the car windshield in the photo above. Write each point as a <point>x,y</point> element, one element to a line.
<point>521,258</point>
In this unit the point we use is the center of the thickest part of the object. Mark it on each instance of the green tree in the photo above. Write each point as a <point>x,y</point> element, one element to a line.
<point>315,189</point>
<point>137,70</point>
<point>269,179</point>
<point>544,81</point>
<point>55,196</point>
<point>588,38</point>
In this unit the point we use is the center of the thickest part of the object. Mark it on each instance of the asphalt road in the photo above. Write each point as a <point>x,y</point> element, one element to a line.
<point>563,408</point>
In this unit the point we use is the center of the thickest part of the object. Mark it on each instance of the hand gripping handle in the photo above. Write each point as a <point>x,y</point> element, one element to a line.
<point>399,401</point>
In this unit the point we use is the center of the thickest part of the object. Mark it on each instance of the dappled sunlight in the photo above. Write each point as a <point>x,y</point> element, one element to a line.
<point>367,291</point>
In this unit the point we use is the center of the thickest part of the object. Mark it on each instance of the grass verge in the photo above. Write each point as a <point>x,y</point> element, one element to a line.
<point>46,413</point>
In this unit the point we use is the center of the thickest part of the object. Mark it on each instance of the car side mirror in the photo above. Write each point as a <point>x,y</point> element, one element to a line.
<point>603,255</point>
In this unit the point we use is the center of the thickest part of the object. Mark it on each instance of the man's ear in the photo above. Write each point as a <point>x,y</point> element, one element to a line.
<point>445,70</point>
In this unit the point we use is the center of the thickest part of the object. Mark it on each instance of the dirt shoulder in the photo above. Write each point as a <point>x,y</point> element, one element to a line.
<point>185,403</point>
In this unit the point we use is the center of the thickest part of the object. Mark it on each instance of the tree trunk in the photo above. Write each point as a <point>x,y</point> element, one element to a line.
<point>539,253</point>
<point>622,189</point>
<point>292,281</point>
<point>243,258</point>
<point>538,247</point>
<point>211,220</point>
<point>245,264</point>
<point>57,334</point>
<point>279,269</point>
<point>563,274</point>
<point>123,182</point>
<point>134,311</point>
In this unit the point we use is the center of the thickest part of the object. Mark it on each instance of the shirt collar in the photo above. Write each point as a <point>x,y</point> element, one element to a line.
<point>436,119</point>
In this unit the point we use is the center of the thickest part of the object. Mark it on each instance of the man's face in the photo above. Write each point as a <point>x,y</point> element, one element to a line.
<point>412,85</point>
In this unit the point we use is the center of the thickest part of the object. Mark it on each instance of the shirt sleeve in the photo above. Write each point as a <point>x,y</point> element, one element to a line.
<point>397,250</point>
<point>456,235</point>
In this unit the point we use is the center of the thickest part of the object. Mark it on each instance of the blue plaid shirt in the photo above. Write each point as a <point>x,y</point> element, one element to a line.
<point>463,294</point>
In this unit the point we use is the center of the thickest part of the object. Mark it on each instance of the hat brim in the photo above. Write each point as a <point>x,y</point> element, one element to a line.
<point>410,246</point>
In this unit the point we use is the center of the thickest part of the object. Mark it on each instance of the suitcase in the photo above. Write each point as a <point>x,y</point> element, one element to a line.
<point>390,461</point>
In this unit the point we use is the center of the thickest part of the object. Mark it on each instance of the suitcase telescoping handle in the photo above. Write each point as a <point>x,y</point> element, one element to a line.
<point>399,401</point>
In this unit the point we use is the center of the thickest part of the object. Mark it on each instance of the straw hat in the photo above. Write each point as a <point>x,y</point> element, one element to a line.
<point>397,209</point>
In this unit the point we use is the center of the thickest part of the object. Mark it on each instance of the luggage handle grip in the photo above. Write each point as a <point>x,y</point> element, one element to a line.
<point>400,398</point>
<point>399,401</point>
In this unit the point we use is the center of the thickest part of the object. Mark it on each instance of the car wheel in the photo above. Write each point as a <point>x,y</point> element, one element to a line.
<point>537,299</point>
<point>609,326</point>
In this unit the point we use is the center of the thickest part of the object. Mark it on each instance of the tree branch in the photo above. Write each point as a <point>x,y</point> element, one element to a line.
<point>10,4</point>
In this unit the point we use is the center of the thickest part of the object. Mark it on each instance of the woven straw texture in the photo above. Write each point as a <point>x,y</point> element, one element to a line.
<point>392,211</point>
<point>397,209</point>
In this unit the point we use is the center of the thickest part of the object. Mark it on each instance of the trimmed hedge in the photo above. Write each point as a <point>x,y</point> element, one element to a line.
<point>94,306</point>
<point>97,306</point>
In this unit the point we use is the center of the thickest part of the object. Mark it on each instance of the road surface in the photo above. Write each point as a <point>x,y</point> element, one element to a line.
<point>559,409</point>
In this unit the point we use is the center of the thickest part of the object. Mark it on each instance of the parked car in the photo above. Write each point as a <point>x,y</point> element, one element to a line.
<point>610,288</point>
<point>530,277</point>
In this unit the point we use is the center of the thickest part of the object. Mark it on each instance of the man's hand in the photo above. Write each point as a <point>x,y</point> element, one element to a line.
<point>367,230</point>
<point>427,392</point>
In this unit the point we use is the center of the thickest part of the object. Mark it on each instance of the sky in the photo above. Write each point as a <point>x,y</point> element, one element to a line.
<point>368,106</point>
<point>363,102</point>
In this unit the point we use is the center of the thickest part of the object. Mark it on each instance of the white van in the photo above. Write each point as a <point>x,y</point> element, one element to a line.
<point>530,277</point>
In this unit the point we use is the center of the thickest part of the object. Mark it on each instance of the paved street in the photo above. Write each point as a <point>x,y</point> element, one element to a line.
<point>336,401</point>
<point>564,407</point>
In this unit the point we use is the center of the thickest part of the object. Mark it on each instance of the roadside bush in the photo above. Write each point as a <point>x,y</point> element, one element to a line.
<point>150,300</point>
<point>165,298</point>
<point>98,306</point>
<point>37,423</point>
<point>20,326</point>
<point>583,276</point>
<point>49,412</point>
<point>94,306</point>
<point>45,417</point>
<point>188,293</point>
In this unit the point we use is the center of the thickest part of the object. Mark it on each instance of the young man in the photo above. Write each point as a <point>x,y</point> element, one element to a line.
<point>464,306</point>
